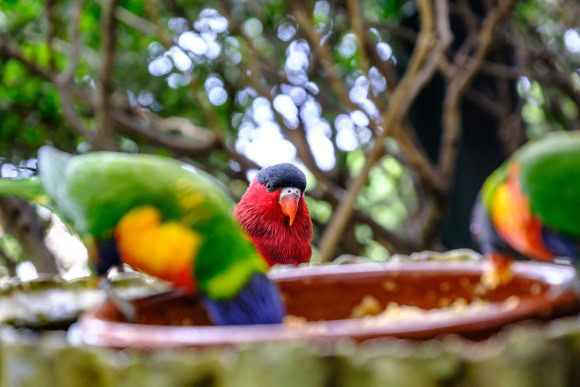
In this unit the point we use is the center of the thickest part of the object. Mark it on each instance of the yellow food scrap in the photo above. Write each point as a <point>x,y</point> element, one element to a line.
<point>457,308</point>
<point>294,321</point>
<point>369,306</point>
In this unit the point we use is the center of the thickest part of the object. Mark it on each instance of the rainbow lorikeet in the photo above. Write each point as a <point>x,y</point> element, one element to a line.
<point>274,214</point>
<point>160,216</point>
<point>530,206</point>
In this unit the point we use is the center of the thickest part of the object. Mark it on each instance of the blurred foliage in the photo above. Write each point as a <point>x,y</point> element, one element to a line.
<point>551,30</point>
<point>190,59</point>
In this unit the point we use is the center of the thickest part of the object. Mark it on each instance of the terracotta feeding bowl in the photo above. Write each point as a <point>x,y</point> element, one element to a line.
<point>324,298</point>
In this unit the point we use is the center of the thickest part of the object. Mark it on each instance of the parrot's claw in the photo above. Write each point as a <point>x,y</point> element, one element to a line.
<point>126,308</point>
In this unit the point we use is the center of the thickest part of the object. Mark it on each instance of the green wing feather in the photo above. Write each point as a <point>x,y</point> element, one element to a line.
<point>550,178</point>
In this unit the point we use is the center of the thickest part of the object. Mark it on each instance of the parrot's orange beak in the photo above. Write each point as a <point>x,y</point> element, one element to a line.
<point>289,199</point>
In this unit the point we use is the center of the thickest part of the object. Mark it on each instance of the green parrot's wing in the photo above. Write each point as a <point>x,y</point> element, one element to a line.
<point>550,178</point>
<point>96,190</point>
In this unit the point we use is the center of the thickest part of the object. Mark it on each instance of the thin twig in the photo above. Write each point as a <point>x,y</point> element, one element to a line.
<point>483,101</point>
<point>11,50</point>
<point>463,9</point>
<point>142,25</point>
<point>358,26</point>
<point>72,117</point>
<point>322,50</point>
<point>141,128</point>
<point>396,31</point>
<point>50,6</point>
<point>68,75</point>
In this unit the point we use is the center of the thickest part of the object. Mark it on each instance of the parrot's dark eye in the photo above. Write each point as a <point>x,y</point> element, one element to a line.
<point>269,187</point>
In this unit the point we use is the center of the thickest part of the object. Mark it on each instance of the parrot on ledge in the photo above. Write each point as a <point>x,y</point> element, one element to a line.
<point>162,217</point>
<point>530,206</point>
<point>274,214</point>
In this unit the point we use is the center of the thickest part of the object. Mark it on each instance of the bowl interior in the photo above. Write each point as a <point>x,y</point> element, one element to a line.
<point>326,294</point>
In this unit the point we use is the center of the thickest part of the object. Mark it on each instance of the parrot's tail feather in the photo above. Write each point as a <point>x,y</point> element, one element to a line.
<point>258,302</point>
<point>29,188</point>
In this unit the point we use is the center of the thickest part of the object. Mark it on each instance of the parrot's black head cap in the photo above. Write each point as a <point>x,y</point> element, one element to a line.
<point>281,176</point>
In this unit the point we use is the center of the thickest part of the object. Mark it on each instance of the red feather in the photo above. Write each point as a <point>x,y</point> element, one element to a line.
<point>260,215</point>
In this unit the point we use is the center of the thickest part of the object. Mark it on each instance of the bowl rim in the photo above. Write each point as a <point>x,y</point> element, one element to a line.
<point>99,331</point>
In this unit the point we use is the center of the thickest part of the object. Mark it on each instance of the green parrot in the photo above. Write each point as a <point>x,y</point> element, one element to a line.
<point>530,206</point>
<point>162,217</point>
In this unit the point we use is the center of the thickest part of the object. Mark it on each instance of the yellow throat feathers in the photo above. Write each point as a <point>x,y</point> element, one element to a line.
<point>165,250</point>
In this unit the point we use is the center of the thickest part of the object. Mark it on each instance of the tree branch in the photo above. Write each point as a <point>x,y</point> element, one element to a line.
<point>396,31</point>
<point>106,135</point>
<point>421,67</point>
<point>358,27</point>
<point>72,117</point>
<point>12,51</point>
<point>457,87</point>
<point>466,70</point>
<point>9,263</point>
<point>131,125</point>
<point>142,129</point>
<point>20,220</point>
<point>68,75</point>
<point>50,6</point>
<point>325,55</point>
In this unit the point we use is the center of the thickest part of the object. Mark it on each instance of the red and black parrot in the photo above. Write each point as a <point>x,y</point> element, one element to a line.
<point>275,216</point>
<point>530,206</point>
